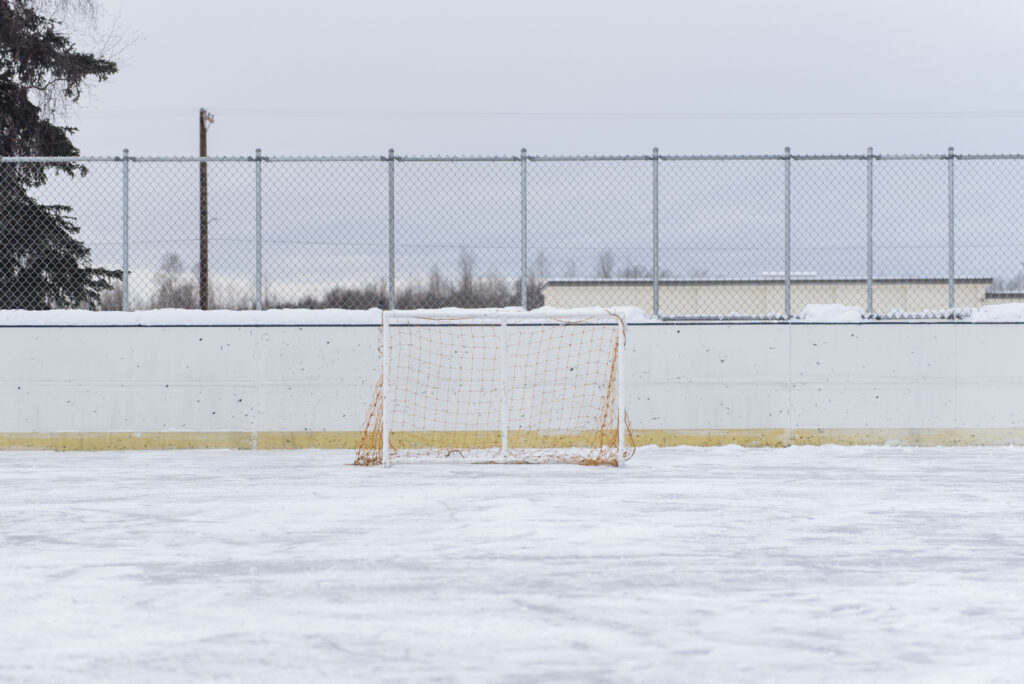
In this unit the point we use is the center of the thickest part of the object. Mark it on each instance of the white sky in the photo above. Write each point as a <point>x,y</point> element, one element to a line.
<point>289,77</point>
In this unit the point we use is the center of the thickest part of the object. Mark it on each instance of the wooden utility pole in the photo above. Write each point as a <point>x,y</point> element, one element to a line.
<point>205,119</point>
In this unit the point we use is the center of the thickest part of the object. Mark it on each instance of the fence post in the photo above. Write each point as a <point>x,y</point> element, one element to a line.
<point>124,230</point>
<point>259,229</point>
<point>655,272</point>
<point>522,229</point>
<point>787,247</point>
<point>871,231</point>
<point>952,297</point>
<point>391,229</point>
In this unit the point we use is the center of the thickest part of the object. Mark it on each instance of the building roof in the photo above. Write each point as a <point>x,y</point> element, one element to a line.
<point>758,280</point>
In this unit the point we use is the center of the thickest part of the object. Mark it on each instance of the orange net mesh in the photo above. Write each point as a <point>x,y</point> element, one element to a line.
<point>452,388</point>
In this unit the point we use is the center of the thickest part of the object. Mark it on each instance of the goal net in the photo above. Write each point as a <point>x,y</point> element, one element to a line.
<point>515,387</point>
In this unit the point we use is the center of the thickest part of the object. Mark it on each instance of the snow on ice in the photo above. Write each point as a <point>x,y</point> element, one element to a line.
<point>803,564</point>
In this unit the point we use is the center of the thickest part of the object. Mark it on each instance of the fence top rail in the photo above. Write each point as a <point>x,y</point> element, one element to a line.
<point>912,157</point>
<point>57,160</point>
<point>590,157</point>
<point>831,157</point>
<point>326,158</point>
<point>977,157</point>
<point>723,157</point>
<point>262,158</point>
<point>442,158</point>
<point>76,160</point>
<point>515,158</point>
<point>192,159</point>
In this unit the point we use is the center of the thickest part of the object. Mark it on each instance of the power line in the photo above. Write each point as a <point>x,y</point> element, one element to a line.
<point>549,115</point>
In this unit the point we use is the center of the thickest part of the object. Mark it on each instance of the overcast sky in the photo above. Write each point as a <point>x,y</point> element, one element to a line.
<point>561,76</point>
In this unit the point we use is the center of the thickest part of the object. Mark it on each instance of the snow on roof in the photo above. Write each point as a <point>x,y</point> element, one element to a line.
<point>775,279</point>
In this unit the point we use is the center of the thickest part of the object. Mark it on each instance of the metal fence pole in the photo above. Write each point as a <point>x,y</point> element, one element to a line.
<point>787,272</point>
<point>124,230</point>
<point>259,229</point>
<point>952,297</point>
<point>655,278</point>
<point>522,228</point>
<point>391,229</point>
<point>871,230</point>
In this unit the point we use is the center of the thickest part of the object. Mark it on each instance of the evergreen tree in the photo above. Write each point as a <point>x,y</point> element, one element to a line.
<point>42,263</point>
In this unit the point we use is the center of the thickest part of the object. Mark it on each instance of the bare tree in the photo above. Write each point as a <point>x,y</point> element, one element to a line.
<point>1014,283</point>
<point>175,290</point>
<point>540,267</point>
<point>436,284</point>
<point>466,262</point>
<point>112,299</point>
<point>606,265</point>
<point>635,272</point>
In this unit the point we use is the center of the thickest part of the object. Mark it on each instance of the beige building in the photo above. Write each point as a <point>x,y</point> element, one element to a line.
<point>766,297</point>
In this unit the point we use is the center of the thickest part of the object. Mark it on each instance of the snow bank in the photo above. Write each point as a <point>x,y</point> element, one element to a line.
<point>161,317</point>
<point>193,317</point>
<point>832,313</point>
<point>815,313</point>
<point>630,314</point>
<point>998,313</point>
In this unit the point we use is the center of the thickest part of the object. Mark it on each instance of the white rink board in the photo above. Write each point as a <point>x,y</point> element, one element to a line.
<point>187,378</point>
<point>707,377</point>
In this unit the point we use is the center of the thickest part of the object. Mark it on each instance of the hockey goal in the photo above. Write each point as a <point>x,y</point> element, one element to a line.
<point>514,387</point>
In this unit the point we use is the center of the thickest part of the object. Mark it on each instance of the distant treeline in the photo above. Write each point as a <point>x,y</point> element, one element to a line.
<point>478,294</point>
<point>467,290</point>
<point>177,288</point>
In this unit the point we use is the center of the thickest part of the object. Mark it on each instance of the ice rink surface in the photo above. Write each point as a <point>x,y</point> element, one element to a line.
<point>688,565</point>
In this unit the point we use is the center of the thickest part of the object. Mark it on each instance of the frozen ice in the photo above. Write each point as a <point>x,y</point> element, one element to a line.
<point>803,564</point>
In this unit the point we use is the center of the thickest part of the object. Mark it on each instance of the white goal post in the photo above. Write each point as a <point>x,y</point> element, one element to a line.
<point>499,386</point>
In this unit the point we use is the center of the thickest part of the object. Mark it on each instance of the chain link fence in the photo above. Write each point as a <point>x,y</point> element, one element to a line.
<point>684,237</point>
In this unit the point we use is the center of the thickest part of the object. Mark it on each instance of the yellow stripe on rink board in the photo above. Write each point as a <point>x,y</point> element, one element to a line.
<point>115,441</point>
<point>119,441</point>
<point>841,436</point>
